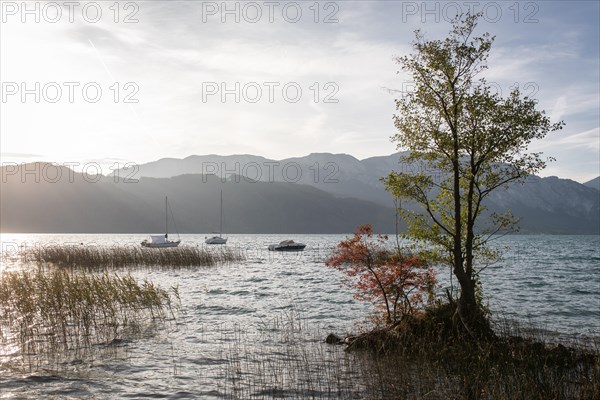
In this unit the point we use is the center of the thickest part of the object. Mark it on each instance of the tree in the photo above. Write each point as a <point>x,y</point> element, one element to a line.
<point>398,285</point>
<point>476,141</point>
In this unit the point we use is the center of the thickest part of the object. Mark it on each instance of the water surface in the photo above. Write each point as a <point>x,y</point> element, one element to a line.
<point>236,315</point>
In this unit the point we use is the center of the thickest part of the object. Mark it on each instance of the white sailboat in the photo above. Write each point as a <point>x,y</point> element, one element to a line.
<point>218,239</point>
<point>162,241</point>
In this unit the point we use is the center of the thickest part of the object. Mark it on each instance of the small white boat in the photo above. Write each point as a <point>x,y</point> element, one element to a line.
<point>218,239</point>
<point>287,245</point>
<point>162,241</point>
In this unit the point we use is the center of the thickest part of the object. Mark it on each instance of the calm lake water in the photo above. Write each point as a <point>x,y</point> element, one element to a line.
<point>237,316</point>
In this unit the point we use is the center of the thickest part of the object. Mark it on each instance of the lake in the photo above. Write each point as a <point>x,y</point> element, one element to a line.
<point>237,318</point>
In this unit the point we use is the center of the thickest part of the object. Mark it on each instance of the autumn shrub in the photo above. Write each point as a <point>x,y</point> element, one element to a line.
<point>398,284</point>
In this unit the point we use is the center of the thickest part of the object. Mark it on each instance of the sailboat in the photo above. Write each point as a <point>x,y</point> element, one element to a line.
<point>162,241</point>
<point>218,239</point>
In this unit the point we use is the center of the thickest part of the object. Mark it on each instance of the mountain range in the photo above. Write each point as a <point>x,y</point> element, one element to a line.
<point>77,204</point>
<point>319,193</point>
<point>594,183</point>
<point>548,205</point>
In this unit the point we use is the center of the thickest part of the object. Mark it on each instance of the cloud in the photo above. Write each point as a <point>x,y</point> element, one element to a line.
<point>20,155</point>
<point>171,52</point>
<point>559,108</point>
<point>588,140</point>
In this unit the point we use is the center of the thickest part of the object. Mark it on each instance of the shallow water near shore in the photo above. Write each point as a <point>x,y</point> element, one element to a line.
<point>238,319</point>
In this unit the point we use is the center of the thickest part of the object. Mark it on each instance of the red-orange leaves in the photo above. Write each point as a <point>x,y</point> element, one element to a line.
<point>396,284</point>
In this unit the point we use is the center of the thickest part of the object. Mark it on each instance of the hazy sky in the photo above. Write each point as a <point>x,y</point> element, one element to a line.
<point>308,77</point>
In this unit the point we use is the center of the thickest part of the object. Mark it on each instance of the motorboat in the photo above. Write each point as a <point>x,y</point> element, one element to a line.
<point>287,245</point>
<point>216,240</point>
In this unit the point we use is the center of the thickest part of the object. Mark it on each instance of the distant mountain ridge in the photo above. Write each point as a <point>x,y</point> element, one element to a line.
<point>594,183</point>
<point>320,193</point>
<point>340,174</point>
<point>75,204</point>
<point>548,205</point>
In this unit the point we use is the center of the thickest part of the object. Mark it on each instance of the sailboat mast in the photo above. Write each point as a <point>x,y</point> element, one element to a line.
<point>221,216</point>
<point>166,216</point>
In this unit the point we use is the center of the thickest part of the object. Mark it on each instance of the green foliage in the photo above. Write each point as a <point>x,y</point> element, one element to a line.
<point>474,140</point>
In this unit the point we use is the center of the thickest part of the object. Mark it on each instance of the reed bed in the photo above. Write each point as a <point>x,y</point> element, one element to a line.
<point>93,258</point>
<point>53,315</point>
<point>281,358</point>
<point>501,371</point>
<point>296,370</point>
<point>294,364</point>
<point>420,360</point>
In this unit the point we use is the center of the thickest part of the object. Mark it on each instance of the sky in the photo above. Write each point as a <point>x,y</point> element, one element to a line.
<point>132,82</point>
